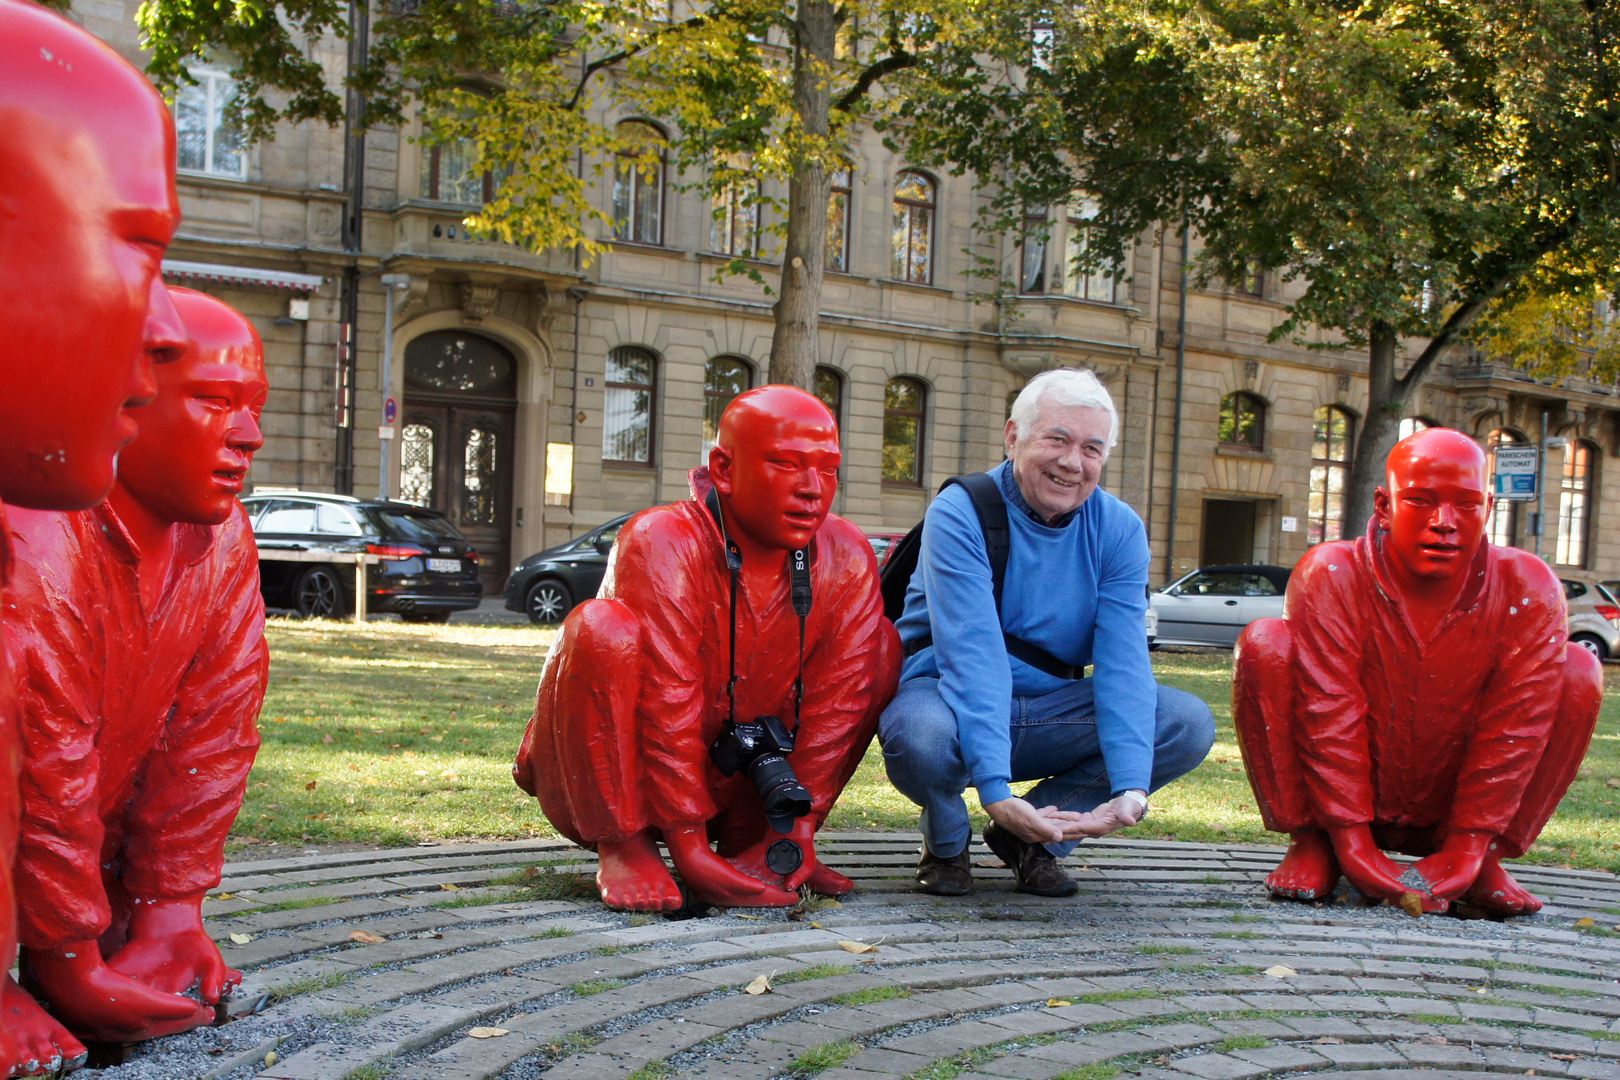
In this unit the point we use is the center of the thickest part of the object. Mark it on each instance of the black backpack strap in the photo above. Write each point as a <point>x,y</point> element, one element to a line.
<point>991,506</point>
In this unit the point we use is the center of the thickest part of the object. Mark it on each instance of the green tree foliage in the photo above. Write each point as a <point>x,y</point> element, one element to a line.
<point>753,90</point>
<point>1415,166</point>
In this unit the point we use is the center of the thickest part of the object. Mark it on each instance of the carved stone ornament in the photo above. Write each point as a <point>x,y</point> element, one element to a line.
<point>478,300</point>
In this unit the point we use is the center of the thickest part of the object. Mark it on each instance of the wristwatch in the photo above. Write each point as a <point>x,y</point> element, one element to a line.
<point>1141,801</point>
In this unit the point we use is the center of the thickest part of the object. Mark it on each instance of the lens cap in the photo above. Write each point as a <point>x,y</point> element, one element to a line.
<point>784,857</point>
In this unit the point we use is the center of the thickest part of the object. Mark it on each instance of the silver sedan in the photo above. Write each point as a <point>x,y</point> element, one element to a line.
<point>1212,605</point>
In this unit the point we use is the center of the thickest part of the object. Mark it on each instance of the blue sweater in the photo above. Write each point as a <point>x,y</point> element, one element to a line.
<point>1079,591</point>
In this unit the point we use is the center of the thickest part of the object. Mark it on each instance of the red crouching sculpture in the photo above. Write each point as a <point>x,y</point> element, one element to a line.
<point>141,666</point>
<point>744,590</point>
<point>1419,694</point>
<point>87,205</point>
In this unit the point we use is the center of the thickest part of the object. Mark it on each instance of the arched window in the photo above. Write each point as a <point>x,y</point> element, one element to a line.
<point>838,202</point>
<point>1330,472</point>
<point>829,387</point>
<point>1097,284</point>
<point>913,228</point>
<point>903,401</point>
<point>1575,502</point>
<point>638,183</point>
<point>1504,523</point>
<point>1411,425</point>
<point>724,377</point>
<point>1243,421</point>
<point>627,405</point>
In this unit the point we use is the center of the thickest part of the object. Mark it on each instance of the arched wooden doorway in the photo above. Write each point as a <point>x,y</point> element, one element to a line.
<point>456,447</point>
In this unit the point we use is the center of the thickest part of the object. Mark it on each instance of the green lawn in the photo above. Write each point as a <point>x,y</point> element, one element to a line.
<point>394,734</point>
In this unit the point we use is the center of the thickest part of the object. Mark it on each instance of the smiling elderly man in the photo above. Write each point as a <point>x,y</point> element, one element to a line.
<point>994,693</point>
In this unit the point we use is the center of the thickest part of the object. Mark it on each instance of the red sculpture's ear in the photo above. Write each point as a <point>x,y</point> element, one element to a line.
<point>1381,507</point>
<point>720,461</point>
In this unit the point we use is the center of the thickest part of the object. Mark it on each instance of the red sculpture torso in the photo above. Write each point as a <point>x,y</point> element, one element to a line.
<point>634,691</point>
<point>138,724</point>
<point>1419,695</point>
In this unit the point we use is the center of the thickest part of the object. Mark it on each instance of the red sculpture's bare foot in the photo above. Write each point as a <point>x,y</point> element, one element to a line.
<point>168,950</point>
<point>826,881</point>
<point>716,880</point>
<point>1495,890</point>
<point>96,1002</point>
<point>1309,870</point>
<point>632,876</point>
<point>43,1045</point>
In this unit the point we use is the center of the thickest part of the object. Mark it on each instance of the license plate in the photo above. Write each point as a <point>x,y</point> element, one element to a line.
<point>445,566</point>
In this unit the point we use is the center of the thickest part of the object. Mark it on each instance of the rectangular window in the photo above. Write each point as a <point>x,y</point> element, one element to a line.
<point>1096,284</point>
<point>448,175</point>
<point>735,222</point>
<point>838,222</point>
<point>627,406</point>
<point>207,144</point>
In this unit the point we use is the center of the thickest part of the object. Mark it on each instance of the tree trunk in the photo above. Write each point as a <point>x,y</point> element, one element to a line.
<point>795,348</point>
<point>1386,405</point>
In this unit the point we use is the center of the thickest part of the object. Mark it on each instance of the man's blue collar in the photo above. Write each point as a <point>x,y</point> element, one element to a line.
<point>1015,499</point>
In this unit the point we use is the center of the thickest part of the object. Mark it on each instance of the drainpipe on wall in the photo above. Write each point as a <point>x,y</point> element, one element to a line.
<point>354,175</point>
<point>1175,431</point>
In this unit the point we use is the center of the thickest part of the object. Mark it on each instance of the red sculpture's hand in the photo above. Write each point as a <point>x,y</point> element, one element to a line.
<point>96,1002</point>
<point>169,950</point>
<point>714,879</point>
<point>1373,873</point>
<point>1453,869</point>
<point>1021,819</point>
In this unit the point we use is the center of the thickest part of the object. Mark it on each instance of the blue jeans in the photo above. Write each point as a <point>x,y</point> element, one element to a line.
<point>1054,740</point>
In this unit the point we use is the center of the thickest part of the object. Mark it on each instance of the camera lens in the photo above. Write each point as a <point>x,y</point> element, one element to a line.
<point>779,789</point>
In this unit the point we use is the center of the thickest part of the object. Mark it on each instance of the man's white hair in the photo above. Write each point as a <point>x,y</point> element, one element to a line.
<point>1072,387</point>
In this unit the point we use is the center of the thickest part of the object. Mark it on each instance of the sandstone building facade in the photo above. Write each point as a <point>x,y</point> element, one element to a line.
<point>537,396</point>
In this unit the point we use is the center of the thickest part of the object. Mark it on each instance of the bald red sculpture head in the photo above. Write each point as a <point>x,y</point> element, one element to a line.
<point>1434,503</point>
<point>775,465</point>
<point>87,207</point>
<point>199,434</point>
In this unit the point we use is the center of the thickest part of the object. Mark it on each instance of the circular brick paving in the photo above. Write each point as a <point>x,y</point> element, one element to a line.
<point>1171,964</point>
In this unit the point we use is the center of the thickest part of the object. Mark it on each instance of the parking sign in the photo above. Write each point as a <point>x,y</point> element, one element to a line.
<point>1515,472</point>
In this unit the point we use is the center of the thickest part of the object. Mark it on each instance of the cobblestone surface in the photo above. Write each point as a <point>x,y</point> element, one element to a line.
<point>1170,964</point>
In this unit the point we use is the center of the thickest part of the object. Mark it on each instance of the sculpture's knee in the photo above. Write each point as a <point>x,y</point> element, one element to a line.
<point>1583,683</point>
<point>1266,647</point>
<point>605,632</point>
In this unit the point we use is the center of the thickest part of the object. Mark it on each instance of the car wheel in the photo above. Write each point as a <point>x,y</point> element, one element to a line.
<point>1592,644</point>
<point>549,601</point>
<point>318,593</point>
<point>424,616</point>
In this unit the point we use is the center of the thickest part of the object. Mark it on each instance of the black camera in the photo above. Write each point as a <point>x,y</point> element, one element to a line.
<point>759,748</point>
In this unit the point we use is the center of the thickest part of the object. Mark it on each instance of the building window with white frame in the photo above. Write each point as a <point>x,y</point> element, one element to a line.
<point>627,406</point>
<point>914,205</point>
<point>638,183</point>
<point>1333,431</point>
<point>1575,503</point>
<point>207,144</point>
<point>1098,284</point>
<point>734,226</point>
<point>838,202</point>
<point>448,174</point>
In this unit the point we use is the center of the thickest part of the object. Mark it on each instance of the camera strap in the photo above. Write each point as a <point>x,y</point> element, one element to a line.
<point>799,593</point>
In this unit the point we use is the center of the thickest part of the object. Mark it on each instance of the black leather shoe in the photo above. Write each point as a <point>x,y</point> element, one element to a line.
<point>945,877</point>
<point>1036,869</point>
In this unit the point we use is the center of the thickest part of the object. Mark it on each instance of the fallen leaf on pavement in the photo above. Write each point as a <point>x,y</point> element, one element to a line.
<point>241,939</point>
<point>447,887</point>
<point>1328,1040</point>
<point>366,937</point>
<point>487,1033</point>
<point>761,985</point>
<point>857,947</point>
<point>740,915</point>
<point>1562,1057</point>
<point>1280,971</point>
<point>1585,924</point>
<point>271,1058</point>
<point>1412,904</point>
<point>817,926</point>
<point>1057,1003</point>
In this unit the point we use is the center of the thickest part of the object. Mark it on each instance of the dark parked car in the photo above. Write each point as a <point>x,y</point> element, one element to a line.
<point>427,570</point>
<point>548,584</point>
